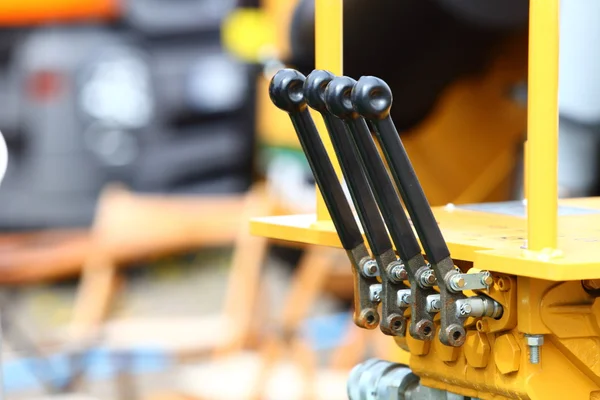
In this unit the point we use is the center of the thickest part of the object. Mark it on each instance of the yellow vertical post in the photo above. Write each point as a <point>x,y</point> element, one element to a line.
<point>542,125</point>
<point>328,56</point>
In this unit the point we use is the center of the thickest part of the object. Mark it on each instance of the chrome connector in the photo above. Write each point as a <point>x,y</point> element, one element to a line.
<point>404,299</point>
<point>434,303</point>
<point>375,293</point>
<point>478,307</point>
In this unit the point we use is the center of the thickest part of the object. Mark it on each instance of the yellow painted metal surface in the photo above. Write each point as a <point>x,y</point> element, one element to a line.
<point>492,241</point>
<point>537,252</point>
<point>280,13</point>
<point>328,56</point>
<point>542,124</point>
<point>495,365</point>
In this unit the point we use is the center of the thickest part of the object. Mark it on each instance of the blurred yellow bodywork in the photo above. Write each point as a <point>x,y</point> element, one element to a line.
<point>34,12</point>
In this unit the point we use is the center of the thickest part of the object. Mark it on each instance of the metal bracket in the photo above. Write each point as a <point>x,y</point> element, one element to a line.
<point>365,300</point>
<point>393,321</point>
<point>477,281</point>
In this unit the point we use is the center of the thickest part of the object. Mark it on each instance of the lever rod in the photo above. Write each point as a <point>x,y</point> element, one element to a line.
<point>392,321</point>
<point>372,99</point>
<point>286,92</point>
<point>337,99</point>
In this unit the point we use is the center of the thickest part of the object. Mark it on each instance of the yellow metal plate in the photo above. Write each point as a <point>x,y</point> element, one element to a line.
<point>493,238</point>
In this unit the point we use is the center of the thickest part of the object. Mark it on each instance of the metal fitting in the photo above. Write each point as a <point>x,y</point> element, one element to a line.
<point>375,292</point>
<point>465,309</point>
<point>487,279</point>
<point>427,278</point>
<point>378,379</point>
<point>457,282</point>
<point>534,342</point>
<point>370,268</point>
<point>404,298</point>
<point>434,304</point>
<point>397,272</point>
<point>478,307</point>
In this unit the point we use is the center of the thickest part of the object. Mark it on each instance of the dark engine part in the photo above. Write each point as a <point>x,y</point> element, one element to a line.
<point>88,105</point>
<point>417,46</point>
<point>173,17</point>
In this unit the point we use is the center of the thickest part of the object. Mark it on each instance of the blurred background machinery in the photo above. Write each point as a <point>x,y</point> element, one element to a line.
<point>458,68</point>
<point>139,92</point>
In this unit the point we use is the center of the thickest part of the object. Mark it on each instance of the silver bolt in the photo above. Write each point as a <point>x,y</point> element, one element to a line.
<point>370,268</point>
<point>398,273</point>
<point>534,342</point>
<point>404,298</point>
<point>427,278</point>
<point>487,279</point>
<point>434,303</point>
<point>457,282</point>
<point>375,293</point>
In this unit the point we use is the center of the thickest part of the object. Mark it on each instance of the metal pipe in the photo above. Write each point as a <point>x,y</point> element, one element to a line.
<point>542,125</point>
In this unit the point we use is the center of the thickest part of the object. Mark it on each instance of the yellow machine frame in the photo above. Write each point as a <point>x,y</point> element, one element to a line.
<point>538,260</point>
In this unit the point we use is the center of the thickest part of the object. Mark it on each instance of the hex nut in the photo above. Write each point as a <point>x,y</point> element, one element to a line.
<point>477,349</point>
<point>507,354</point>
<point>534,340</point>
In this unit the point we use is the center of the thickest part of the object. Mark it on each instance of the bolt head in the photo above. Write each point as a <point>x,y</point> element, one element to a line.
<point>375,293</point>
<point>487,280</point>
<point>534,340</point>
<point>401,273</point>
<point>430,277</point>
<point>460,282</point>
<point>466,309</point>
<point>370,268</point>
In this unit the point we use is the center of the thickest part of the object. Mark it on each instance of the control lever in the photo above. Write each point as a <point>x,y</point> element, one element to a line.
<point>393,273</point>
<point>422,279</point>
<point>372,99</point>
<point>286,92</point>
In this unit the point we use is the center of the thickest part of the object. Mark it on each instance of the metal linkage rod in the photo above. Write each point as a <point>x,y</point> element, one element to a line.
<point>337,97</point>
<point>286,92</point>
<point>392,319</point>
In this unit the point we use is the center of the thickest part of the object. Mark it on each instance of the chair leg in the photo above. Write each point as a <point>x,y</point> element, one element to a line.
<point>98,286</point>
<point>244,276</point>
<point>307,285</point>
